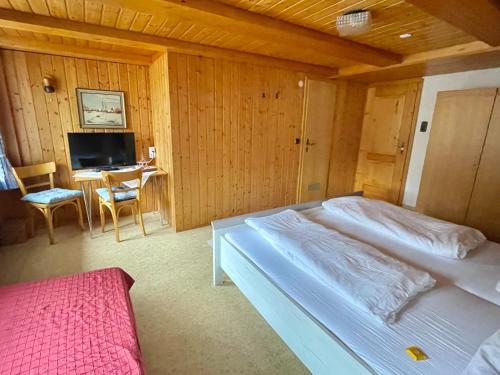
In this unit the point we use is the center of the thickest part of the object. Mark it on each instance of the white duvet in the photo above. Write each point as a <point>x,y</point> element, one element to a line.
<point>486,360</point>
<point>360,273</point>
<point>423,232</point>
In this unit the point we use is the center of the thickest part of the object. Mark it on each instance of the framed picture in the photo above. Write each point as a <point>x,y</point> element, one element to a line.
<point>101,109</point>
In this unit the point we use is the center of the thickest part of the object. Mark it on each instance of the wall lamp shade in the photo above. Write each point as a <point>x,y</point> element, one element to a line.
<point>48,85</point>
<point>7,178</point>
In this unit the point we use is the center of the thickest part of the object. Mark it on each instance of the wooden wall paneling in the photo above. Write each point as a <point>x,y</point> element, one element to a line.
<point>193,124</point>
<point>63,110</point>
<point>227,185</point>
<point>232,120</point>
<point>146,128</point>
<point>71,78</point>
<point>276,161</point>
<point>12,87</point>
<point>181,120</point>
<point>202,126</point>
<point>177,135</point>
<point>484,207</point>
<point>219,137</point>
<point>56,125</point>
<point>454,152</point>
<point>261,125</point>
<point>27,107</point>
<point>166,141</point>
<point>294,117</point>
<point>7,128</point>
<point>133,114</point>
<point>42,124</point>
<point>348,122</point>
<point>255,97</point>
<point>41,121</point>
<point>211,151</point>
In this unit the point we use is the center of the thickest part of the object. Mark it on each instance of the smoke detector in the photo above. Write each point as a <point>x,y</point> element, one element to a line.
<point>354,22</point>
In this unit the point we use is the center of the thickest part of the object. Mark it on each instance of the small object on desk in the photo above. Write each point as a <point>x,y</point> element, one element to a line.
<point>150,169</point>
<point>106,169</point>
<point>416,354</point>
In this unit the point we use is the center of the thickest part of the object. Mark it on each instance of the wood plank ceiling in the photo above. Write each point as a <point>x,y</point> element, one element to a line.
<point>390,18</point>
<point>227,24</point>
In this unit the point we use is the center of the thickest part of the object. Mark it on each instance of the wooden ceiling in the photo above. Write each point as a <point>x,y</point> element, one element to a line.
<point>390,19</point>
<point>300,33</point>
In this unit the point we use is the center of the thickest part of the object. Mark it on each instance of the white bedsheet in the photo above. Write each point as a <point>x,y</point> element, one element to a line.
<point>478,273</point>
<point>426,233</point>
<point>364,276</point>
<point>447,323</point>
<point>486,361</point>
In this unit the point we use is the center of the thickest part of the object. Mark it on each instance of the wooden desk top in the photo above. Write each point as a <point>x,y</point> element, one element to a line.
<point>83,176</point>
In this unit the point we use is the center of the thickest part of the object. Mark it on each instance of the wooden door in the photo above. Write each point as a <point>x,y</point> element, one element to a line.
<point>319,104</point>
<point>386,139</point>
<point>484,206</point>
<point>458,131</point>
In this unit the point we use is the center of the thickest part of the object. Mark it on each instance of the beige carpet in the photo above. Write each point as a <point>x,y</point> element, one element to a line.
<point>185,325</point>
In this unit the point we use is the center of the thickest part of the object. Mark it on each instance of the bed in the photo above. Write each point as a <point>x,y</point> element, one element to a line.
<point>328,335</point>
<point>78,324</point>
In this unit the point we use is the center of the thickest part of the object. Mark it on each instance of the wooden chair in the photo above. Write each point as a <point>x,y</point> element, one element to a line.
<point>116,197</point>
<point>49,200</point>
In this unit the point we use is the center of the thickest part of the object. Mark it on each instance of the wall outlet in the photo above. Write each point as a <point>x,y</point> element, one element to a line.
<point>152,152</point>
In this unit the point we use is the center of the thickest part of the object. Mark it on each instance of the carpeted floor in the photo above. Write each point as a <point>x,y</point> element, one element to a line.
<point>186,326</point>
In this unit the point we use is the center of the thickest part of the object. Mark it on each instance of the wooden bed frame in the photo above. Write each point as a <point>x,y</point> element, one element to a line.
<point>318,348</point>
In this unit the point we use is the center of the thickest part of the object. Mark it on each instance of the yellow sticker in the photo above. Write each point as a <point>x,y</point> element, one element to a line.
<point>416,354</point>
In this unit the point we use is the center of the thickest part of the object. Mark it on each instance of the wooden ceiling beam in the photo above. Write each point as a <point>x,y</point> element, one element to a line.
<point>479,18</point>
<point>71,29</point>
<point>469,56</point>
<point>242,22</point>
<point>32,45</point>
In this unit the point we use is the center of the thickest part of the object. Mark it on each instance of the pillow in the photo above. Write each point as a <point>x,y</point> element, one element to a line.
<point>423,232</point>
<point>486,360</point>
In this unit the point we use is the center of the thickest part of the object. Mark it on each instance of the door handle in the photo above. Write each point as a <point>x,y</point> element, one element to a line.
<point>309,143</point>
<point>402,148</point>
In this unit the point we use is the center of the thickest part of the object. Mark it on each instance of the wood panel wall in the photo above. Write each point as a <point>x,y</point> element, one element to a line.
<point>162,130</point>
<point>42,121</point>
<point>348,123</point>
<point>234,127</point>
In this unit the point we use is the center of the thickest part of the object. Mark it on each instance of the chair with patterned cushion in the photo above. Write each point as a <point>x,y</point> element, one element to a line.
<point>47,201</point>
<point>115,197</point>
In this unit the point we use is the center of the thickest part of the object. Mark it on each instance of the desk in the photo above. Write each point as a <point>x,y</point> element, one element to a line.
<point>86,178</point>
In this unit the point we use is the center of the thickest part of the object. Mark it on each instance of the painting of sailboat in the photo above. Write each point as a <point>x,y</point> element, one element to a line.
<point>101,109</point>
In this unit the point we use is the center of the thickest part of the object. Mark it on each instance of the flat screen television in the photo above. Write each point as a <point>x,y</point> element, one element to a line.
<point>101,150</point>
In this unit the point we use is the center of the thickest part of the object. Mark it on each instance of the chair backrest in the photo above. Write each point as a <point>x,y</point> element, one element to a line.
<point>37,170</point>
<point>117,178</point>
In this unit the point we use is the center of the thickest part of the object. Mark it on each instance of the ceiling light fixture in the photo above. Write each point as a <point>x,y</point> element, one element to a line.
<point>354,22</point>
<point>406,36</point>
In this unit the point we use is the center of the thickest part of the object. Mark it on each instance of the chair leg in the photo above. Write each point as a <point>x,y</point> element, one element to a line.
<point>103,217</point>
<point>80,213</point>
<point>141,220</point>
<point>50,225</point>
<point>134,213</point>
<point>55,219</point>
<point>115,223</point>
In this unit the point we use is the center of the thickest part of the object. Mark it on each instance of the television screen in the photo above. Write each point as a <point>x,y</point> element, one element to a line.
<point>101,150</point>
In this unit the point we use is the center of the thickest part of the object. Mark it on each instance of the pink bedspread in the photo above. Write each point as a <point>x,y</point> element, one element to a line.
<point>79,324</point>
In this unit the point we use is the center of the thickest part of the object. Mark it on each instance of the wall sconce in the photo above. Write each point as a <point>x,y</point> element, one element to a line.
<point>48,84</point>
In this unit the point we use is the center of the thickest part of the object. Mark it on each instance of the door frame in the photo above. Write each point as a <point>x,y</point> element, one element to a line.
<point>413,126</point>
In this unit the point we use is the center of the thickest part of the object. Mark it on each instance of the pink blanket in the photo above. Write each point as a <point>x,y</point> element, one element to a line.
<point>79,324</point>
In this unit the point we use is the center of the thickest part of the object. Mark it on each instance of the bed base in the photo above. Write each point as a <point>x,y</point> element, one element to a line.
<point>319,349</point>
